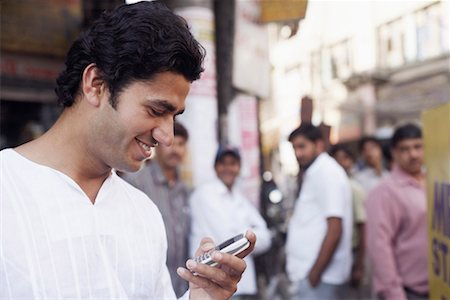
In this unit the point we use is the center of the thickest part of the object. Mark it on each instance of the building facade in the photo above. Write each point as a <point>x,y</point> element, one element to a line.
<point>367,65</point>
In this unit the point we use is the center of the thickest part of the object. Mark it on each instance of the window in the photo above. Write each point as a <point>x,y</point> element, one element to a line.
<point>340,60</point>
<point>432,32</point>
<point>414,37</point>
<point>391,44</point>
<point>331,63</point>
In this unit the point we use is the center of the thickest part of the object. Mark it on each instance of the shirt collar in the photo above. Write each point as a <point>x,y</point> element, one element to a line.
<point>310,163</point>
<point>403,178</point>
<point>222,188</point>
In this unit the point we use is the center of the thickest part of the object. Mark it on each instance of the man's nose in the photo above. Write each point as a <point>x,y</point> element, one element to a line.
<point>163,133</point>
<point>415,153</point>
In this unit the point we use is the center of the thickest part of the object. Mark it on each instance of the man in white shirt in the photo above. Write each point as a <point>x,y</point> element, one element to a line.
<point>69,226</point>
<point>221,211</point>
<point>319,257</point>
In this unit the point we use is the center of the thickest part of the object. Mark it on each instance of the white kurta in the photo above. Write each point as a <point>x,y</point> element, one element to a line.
<point>56,244</point>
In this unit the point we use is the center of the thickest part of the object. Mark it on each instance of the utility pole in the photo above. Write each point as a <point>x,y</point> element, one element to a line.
<point>201,115</point>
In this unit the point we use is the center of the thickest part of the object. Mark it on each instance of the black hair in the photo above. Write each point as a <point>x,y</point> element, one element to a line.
<point>407,131</point>
<point>309,131</point>
<point>133,42</point>
<point>226,150</point>
<point>180,130</point>
<point>220,158</point>
<point>339,147</point>
<point>368,139</point>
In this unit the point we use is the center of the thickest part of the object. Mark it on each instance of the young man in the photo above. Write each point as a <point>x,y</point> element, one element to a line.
<point>219,210</point>
<point>319,257</point>
<point>160,181</point>
<point>374,171</point>
<point>396,225</point>
<point>70,227</point>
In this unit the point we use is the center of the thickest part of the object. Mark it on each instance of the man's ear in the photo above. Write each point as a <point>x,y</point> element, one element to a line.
<point>320,146</point>
<point>93,86</point>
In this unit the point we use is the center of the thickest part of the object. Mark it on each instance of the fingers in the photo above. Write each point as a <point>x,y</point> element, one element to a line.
<point>228,262</point>
<point>229,267</point>
<point>231,264</point>
<point>206,244</point>
<point>197,280</point>
<point>250,235</point>
<point>219,282</point>
<point>229,272</point>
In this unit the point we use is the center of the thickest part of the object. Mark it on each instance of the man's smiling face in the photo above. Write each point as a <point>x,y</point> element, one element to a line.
<point>124,136</point>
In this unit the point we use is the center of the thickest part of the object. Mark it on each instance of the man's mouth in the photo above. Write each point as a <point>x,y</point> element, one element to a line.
<point>147,148</point>
<point>174,156</point>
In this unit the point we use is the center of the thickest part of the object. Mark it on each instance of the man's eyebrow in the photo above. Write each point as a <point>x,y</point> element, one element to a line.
<point>166,105</point>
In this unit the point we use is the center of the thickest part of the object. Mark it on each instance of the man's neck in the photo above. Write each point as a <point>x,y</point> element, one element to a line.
<point>307,165</point>
<point>229,188</point>
<point>378,168</point>
<point>419,177</point>
<point>62,149</point>
<point>169,173</point>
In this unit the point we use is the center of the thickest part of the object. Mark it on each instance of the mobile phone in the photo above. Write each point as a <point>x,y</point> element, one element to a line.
<point>233,246</point>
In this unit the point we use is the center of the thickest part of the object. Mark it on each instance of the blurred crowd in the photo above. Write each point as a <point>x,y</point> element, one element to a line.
<point>353,228</point>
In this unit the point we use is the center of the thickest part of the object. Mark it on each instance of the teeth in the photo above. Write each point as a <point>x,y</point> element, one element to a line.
<point>145,146</point>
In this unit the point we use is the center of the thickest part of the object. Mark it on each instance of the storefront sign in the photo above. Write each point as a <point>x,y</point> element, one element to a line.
<point>436,128</point>
<point>45,27</point>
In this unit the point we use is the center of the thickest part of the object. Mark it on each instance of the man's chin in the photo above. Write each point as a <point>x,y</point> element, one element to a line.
<point>131,168</point>
<point>415,171</point>
<point>303,165</point>
<point>174,163</point>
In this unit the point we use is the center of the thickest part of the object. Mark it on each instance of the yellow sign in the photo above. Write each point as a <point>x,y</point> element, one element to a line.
<point>436,129</point>
<point>282,10</point>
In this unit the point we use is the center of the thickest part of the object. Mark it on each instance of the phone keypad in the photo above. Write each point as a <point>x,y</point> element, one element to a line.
<point>203,257</point>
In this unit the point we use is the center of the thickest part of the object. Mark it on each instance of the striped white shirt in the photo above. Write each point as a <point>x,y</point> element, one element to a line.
<point>56,244</point>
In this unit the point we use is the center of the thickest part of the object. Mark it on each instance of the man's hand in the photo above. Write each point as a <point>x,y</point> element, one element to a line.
<point>357,274</point>
<point>329,245</point>
<point>218,282</point>
<point>314,279</point>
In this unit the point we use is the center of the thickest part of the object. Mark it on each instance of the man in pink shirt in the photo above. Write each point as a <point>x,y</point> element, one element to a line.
<point>396,222</point>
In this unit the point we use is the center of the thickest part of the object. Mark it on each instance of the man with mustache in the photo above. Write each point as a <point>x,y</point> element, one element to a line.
<point>159,179</point>
<point>396,222</point>
<point>318,247</point>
